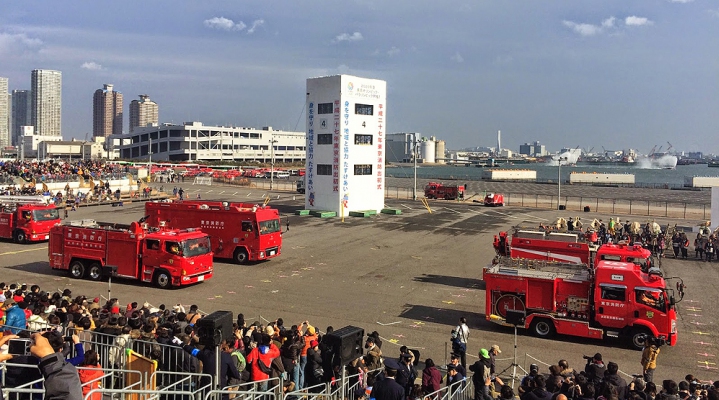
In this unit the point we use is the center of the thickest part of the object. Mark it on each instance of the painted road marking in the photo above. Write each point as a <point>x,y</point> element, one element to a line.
<point>22,251</point>
<point>404,205</point>
<point>222,192</point>
<point>454,211</point>
<point>505,214</point>
<point>534,217</point>
<point>478,212</point>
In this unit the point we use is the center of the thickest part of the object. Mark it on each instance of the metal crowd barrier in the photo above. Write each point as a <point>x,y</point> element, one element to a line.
<point>462,390</point>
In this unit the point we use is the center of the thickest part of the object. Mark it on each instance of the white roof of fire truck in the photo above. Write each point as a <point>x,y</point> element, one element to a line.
<point>541,269</point>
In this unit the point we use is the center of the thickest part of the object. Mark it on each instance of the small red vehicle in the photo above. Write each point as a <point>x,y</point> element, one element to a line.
<point>494,200</point>
<point>435,190</point>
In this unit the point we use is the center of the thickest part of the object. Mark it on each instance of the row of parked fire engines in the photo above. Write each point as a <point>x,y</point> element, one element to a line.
<point>173,245</point>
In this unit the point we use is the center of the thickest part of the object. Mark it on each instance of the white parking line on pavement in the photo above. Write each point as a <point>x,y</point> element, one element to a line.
<point>534,217</point>
<point>222,192</point>
<point>234,194</point>
<point>209,191</point>
<point>454,211</point>
<point>405,206</point>
<point>505,214</point>
<point>478,212</point>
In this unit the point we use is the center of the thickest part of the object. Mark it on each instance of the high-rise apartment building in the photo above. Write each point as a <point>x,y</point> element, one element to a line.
<point>106,112</point>
<point>46,106</point>
<point>4,114</point>
<point>21,104</point>
<point>143,112</point>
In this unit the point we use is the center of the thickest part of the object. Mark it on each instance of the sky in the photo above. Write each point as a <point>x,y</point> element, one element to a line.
<point>614,73</point>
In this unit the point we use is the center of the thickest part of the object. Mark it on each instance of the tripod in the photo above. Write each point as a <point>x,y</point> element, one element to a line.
<point>514,365</point>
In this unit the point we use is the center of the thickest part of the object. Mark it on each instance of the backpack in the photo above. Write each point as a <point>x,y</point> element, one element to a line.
<point>239,360</point>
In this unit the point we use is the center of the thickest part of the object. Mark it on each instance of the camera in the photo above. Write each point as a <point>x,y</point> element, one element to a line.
<point>19,347</point>
<point>588,357</point>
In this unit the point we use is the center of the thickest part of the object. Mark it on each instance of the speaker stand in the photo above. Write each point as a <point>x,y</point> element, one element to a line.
<point>514,365</point>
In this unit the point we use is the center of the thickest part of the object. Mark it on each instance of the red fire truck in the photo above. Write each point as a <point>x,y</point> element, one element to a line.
<point>165,257</point>
<point>613,299</point>
<point>566,247</point>
<point>435,190</point>
<point>242,232</point>
<point>26,218</point>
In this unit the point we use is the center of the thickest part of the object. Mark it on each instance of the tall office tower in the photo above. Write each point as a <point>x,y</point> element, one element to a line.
<point>46,107</point>
<point>106,112</point>
<point>4,114</point>
<point>21,102</point>
<point>143,112</point>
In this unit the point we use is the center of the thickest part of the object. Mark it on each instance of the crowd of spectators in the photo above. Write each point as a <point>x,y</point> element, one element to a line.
<point>56,170</point>
<point>100,331</point>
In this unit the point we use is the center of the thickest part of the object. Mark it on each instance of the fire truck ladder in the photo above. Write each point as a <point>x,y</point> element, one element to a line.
<point>18,200</point>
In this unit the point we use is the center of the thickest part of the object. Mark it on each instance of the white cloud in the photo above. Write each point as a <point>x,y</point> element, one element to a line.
<point>91,65</point>
<point>255,24</point>
<point>225,24</point>
<point>343,69</point>
<point>17,41</point>
<point>393,51</point>
<point>457,58</point>
<point>637,21</point>
<point>609,22</point>
<point>583,29</point>
<point>346,37</point>
<point>714,13</point>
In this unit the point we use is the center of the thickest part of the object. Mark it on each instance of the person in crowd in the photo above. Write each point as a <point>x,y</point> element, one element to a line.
<point>388,388</point>
<point>260,359</point>
<point>454,360</point>
<point>481,375</point>
<point>612,377</point>
<point>373,358</point>
<point>595,369</point>
<point>313,369</point>
<point>90,373</point>
<point>15,319</point>
<point>406,374</point>
<point>454,378</point>
<point>310,334</point>
<point>649,358</point>
<point>494,351</point>
<point>431,377</point>
<point>460,337</point>
<point>670,390</point>
<point>538,390</point>
<point>208,357</point>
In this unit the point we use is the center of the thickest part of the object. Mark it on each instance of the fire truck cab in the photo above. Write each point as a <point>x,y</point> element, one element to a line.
<point>27,218</point>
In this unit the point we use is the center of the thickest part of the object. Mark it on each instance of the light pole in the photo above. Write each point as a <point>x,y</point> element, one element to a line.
<point>149,159</point>
<point>559,181</point>
<point>272,162</point>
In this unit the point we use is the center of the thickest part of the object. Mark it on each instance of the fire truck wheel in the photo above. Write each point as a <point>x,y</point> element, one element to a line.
<point>77,269</point>
<point>639,336</point>
<point>163,279</point>
<point>95,272</point>
<point>542,327</point>
<point>19,236</point>
<point>241,256</point>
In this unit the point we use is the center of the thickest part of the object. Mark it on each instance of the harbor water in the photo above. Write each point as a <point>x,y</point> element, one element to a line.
<point>644,177</point>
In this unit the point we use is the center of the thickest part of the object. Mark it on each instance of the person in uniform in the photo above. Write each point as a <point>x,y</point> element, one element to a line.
<point>388,388</point>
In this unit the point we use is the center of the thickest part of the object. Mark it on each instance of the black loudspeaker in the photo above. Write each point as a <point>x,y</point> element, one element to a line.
<point>562,207</point>
<point>211,329</point>
<point>586,208</point>
<point>346,343</point>
<point>109,271</point>
<point>515,317</point>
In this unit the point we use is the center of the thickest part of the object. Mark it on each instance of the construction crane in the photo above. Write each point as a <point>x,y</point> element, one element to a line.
<point>670,146</point>
<point>651,152</point>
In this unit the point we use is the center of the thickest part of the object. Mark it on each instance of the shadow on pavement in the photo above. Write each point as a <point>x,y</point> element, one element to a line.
<point>425,314</point>
<point>468,283</point>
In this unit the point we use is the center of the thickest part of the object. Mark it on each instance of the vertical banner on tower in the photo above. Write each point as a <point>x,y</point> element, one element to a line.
<point>336,146</point>
<point>310,190</point>
<point>380,147</point>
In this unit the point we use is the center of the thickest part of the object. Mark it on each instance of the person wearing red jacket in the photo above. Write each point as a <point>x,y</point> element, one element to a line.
<point>264,353</point>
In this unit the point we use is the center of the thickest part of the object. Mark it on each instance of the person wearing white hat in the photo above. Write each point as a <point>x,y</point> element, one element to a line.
<point>493,351</point>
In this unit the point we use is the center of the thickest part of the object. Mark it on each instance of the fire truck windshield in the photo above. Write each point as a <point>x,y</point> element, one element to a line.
<point>653,298</point>
<point>196,247</point>
<point>45,215</point>
<point>271,226</point>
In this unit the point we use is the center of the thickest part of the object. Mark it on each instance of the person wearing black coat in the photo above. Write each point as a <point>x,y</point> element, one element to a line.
<point>539,392</point>
<point>613,377</point>
<point>314,363</point>
<point>595,370</point>
<point>388,388</point>
<point>228,369</point>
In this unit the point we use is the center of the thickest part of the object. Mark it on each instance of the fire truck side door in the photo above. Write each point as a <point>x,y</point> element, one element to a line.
<point>152,253</point>
<point>612,305</point>
<point>248,231</point>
